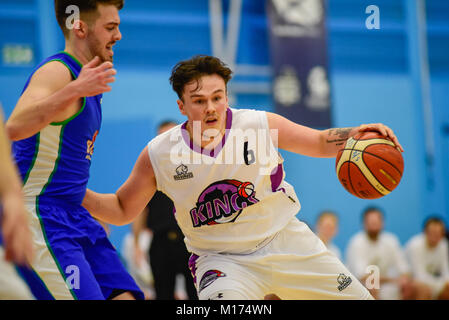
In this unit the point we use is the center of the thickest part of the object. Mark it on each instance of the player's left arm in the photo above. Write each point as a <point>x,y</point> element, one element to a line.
<point>14,224</point>
<point>130,199</point>
<point>311,142</point>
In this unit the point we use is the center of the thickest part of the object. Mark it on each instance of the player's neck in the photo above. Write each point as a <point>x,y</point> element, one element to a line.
<point>325,240</point>
<point>202,140</point>
<point>430,245</point>
<point>373,236</point>
<point>79,53</point>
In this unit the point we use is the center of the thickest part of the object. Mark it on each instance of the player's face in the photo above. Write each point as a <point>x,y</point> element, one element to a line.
<point>327,227</point>
<point>434,233</point>
<point>373,223</point>
<point>205,103</point>
<point>104,33</point>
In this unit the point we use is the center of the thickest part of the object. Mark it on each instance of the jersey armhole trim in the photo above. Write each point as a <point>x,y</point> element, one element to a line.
<point>154,165</point>
<point>71,56</point>
<point>84,98</point>
<point>265,124</point>
<point>62,123</point>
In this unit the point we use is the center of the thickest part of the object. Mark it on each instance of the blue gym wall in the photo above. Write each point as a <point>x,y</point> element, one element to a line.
<point>371,78</point>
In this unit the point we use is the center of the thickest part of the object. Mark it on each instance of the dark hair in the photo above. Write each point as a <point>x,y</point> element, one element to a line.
<point>372,209</point>
<point>85,6</point>
<point>193,69</point>
<point>166,123</point>
<point>433,219</point>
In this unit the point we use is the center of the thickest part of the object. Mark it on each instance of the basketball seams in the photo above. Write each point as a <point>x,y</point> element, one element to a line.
<point>361,153</point>
<point>386,141</point>
<point>374,155</point>
<point>368,180</point>
<point>363,144</point>
<point>349,172</point>
<point>365,167</point>
<point>345,157</point>
<point>374,176</point>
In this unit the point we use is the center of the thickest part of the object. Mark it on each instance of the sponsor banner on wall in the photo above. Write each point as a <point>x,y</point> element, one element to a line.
<point>298,41</point>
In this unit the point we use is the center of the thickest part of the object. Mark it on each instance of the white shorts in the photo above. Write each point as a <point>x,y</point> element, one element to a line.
<point>295,264</point>
<point>12,287</point>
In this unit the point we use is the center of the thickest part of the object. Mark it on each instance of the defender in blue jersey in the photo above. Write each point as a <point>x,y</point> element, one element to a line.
<point>54,126</point>
<point>15,235</point>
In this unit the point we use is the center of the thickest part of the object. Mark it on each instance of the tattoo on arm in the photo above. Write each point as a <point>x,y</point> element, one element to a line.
<point>338,135</point>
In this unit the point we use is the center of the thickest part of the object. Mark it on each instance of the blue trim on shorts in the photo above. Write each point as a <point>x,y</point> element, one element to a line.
<point>78,242</point>
<point>36,285</point>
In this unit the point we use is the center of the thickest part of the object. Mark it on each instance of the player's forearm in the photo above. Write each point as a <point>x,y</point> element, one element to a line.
<point>334,139</point>
<point>105,207</point>
<point>29,119</point>
<point>9,178</point>
<point>11,194</point>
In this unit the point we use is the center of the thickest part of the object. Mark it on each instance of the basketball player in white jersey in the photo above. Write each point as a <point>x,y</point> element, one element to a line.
<point>222,170</point>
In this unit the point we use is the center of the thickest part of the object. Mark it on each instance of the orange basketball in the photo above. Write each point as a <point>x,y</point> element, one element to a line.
<point>369,166</point>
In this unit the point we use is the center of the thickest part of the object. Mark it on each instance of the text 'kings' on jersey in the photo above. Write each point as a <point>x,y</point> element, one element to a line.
<point>230,198</point>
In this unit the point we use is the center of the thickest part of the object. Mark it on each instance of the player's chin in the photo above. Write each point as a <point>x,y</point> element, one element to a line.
<point>107,57</point>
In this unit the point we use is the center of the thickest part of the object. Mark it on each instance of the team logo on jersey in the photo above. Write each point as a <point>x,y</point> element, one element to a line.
<point>223,202</point>
<point>209,277</point>
<point>182,173</point>
<point>343,281</point>
<point>90,146</point>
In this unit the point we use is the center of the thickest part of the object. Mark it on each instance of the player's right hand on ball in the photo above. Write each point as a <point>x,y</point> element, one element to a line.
<point>94,78</point>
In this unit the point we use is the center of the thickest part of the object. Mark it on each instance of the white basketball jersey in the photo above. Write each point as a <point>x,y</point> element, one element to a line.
<point>229,199</point>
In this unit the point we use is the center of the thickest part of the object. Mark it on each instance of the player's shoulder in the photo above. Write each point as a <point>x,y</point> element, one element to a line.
<point>357,239</point>
<point>389,236</point>
<point>416,241</point>
<point>52,73</point>
<point>54,68</point>
<point>245,112</point>
<point>248,117</point>
<point>444,243</point>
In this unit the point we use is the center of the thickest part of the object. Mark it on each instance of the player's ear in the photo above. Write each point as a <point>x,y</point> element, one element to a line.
<point>181,106</point>
<point>80,29</point>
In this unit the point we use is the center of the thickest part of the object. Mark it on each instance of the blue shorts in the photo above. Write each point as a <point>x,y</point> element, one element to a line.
<point>74,258</point>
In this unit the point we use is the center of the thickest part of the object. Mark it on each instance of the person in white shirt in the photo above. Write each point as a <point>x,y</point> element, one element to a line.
<point>222,170</point>
<point>326,229</point>
<point>376,258</point>
<point>428,256</point>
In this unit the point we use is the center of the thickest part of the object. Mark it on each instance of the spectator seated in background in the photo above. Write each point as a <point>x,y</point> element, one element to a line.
<point>428,256</point>
<point>375,253</point>
<point>326,228</point>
